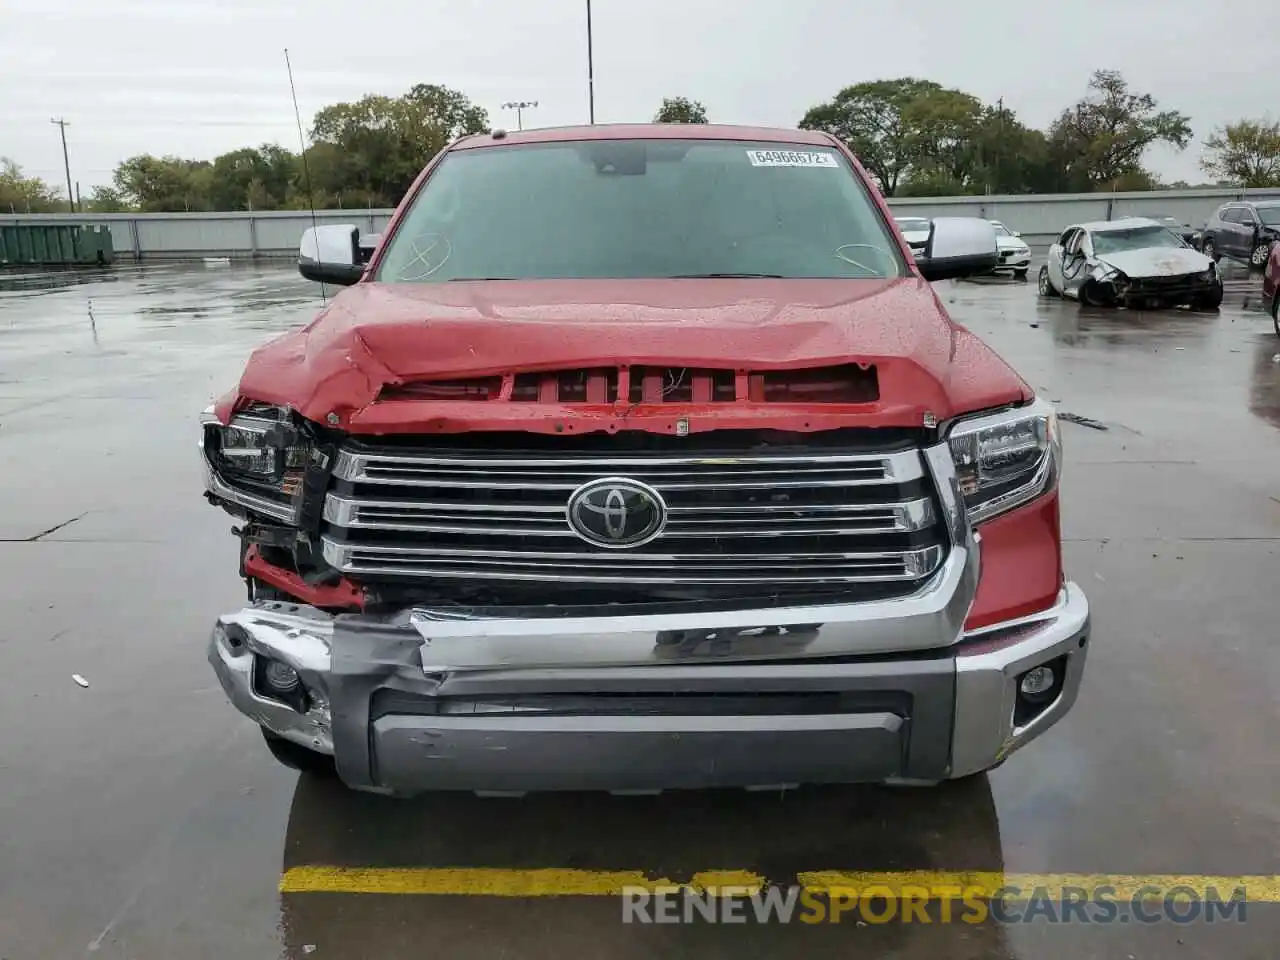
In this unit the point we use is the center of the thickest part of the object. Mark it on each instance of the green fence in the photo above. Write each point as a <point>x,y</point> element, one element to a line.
<point>48,245</point>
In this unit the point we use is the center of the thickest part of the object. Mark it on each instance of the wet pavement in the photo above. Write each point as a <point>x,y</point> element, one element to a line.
<point>141,817</point>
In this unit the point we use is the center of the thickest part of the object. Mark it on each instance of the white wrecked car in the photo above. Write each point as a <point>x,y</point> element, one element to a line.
<point>1015,255</point>
<point>915,230</point>
<point>1133,262</point>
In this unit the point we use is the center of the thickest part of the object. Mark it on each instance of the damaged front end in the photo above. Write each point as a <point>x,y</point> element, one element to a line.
<point>1109,286</point>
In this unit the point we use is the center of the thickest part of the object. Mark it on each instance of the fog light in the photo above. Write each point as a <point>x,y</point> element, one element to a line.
<point>1037,682</point>
<point>282,678</point>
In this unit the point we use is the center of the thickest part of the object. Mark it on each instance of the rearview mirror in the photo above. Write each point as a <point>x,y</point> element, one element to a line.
<point>332,254</point>
<point>959,247</point>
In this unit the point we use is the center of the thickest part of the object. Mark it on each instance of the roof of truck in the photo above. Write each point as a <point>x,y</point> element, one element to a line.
<point>647,131</point>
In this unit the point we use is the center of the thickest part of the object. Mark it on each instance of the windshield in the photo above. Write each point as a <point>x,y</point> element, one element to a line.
<point>1269,215</point>
<point>641,208</point>
<point>1137,238</point>
<point>1001,229</point>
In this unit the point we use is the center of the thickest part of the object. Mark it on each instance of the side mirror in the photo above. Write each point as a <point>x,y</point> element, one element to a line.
<point>1017,233</point>
<point>959,247</point>
<point>331,254</point>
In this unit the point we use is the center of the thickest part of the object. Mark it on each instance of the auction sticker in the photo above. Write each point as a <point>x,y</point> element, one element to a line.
<point>790,158</point>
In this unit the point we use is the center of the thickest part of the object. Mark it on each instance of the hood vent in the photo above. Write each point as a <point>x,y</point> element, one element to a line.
<point>846,383</point>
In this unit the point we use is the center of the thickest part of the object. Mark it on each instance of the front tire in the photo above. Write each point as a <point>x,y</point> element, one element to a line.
<point>1044,286</point>
<point>1021,274</point>
<point>297,757</point>
<point>1260,254</point>
<point>1210,250</point>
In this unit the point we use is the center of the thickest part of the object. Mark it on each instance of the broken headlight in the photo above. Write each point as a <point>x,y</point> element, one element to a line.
<point>1006,459</point>
<point>256,461</point>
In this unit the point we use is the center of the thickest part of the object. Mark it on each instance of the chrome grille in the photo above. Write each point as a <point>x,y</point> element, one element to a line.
<point>810,519</point>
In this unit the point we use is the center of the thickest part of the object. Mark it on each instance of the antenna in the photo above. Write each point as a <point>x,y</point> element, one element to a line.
<point>302,148</point>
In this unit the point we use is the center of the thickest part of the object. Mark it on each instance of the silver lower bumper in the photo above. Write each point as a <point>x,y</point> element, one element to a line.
<point>413,702</point>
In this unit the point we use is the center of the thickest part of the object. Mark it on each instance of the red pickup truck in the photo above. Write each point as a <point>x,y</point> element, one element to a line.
<point>642,457</point>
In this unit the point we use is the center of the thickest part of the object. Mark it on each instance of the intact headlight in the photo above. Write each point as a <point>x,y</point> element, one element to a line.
<point>1006,459</point>
<point>257,460</point>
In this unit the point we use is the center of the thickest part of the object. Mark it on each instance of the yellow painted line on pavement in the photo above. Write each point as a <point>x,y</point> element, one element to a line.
<point>558,882</point>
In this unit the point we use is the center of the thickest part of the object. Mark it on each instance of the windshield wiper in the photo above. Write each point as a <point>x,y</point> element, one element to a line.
<point>726,276</point>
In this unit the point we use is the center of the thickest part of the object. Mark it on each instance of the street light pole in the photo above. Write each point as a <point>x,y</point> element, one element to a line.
<point>519,106</point>
<point>66,160</point>
<point>591,82</point>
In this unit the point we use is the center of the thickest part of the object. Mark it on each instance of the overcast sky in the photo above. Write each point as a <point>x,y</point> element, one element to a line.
<point>198,78</point>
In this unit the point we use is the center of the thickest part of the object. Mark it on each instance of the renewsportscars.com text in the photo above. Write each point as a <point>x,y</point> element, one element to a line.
<point>940,904</point>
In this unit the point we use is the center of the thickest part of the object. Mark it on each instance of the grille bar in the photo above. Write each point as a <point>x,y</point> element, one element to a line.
<point>558,474</point>
<point>686,569</point>
<point>548,520</point>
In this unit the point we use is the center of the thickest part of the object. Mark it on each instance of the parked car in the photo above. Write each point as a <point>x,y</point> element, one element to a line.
<point>1243,230</point>
<point>1190,235</point>
<point>1271,286</point>
<point>652,489</point>
<point>1131,262</point>
<point>1015,255</point>
<point>915,230</point>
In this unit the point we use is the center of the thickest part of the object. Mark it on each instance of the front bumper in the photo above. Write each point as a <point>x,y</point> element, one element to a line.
<point>415,701</point>
<point>1014,260</point>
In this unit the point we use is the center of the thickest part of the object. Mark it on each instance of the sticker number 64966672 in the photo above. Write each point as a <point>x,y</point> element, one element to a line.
<point>790,158</point>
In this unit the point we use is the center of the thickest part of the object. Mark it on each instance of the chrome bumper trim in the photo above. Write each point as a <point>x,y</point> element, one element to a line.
<point>987,671</point>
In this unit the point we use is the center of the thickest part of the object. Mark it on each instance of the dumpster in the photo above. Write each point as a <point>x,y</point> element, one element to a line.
<point>48,245</point>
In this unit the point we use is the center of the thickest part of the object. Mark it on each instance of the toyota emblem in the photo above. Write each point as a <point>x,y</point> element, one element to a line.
<point>616,512</point>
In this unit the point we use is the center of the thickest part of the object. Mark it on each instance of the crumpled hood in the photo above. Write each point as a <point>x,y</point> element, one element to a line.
<point>373,335</point>
<point>1157,262</point>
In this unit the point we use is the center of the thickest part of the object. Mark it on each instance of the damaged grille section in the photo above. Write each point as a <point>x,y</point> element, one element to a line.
<point>776,522</point>
<point>845,383</point>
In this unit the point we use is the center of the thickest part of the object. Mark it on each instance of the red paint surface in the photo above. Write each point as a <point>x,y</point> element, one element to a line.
<point>373,335</point>
<point>341,595</point>
<point>1021,564</point>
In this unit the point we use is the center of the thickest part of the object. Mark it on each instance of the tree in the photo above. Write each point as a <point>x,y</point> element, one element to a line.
<point>23,194</point>
<point>252,178</point>
<point>873,120</point>
<point>104,199</point>
<point>1104,136</point>
<point>379,144</point>
<point>159,184</point>
<point>1245,153</point>
<point>680,110</point>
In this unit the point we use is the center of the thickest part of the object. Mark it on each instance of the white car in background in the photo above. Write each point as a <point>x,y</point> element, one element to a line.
<point>1015,255</point>
<point>1134,262</point>
<point>915,230</point>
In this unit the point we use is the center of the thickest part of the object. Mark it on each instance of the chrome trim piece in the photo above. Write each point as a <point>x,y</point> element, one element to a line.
<point>467,471</point>
<point>928,618</point>
<point>545,520</point>
<point>647,568</point>
<point>299,636</point>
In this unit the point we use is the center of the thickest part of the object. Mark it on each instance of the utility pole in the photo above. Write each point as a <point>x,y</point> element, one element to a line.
<point>66,160</point>
<point>591,82</point>
<point>999,137</point>
<point>519,106</point>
